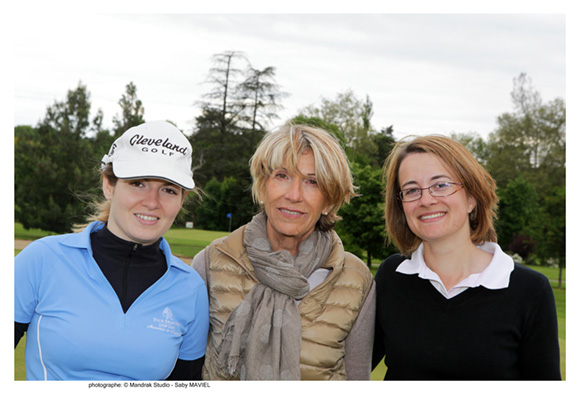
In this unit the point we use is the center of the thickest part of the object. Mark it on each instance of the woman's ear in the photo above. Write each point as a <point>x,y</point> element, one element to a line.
<point>108,189</point>
<point>471,204</point>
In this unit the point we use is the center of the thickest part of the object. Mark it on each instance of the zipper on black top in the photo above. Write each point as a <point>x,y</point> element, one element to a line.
<point>126,274</point>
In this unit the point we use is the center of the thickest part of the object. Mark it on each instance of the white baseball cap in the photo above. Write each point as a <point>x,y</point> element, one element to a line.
<point>152,150</point>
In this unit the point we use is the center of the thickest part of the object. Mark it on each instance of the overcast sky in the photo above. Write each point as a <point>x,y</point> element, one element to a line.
<point>424,73</point>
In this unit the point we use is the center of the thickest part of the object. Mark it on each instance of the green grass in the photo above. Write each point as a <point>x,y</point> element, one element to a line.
<point>33,233</point>
<point>188,242</point>
<point>19,368</point>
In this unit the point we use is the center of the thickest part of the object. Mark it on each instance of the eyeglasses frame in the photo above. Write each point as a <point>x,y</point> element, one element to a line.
<point>400,196</point>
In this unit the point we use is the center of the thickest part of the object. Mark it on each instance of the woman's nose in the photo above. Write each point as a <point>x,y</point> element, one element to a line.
<point>151,200</point>
<point>294,192</point>
<point>427,198</point>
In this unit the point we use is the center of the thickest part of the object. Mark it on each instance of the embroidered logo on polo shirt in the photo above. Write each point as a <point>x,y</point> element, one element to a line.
<point>165,323</point>
<point>167,313</point>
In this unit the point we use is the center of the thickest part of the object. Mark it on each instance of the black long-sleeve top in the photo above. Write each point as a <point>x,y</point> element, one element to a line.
<point>480,334</point>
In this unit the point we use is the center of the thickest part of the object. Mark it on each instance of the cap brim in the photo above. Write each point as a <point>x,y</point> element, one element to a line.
<point>127,170</point>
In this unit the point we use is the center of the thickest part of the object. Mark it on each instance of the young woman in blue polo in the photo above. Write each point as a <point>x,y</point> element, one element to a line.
<point>111,302</point>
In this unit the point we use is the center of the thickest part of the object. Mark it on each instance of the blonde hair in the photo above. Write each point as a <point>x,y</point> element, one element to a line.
<point>282,149</point>
<point>477,182</point>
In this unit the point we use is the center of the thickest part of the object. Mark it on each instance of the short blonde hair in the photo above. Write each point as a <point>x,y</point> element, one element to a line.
<point>282,149</point>
<point>477,182</point>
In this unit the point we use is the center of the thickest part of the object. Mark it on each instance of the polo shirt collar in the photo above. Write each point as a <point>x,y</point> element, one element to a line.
<point>495,276</point>
<point>82,240</point>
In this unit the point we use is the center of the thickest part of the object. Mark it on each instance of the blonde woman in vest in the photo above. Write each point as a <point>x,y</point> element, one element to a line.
<point>287,302</point>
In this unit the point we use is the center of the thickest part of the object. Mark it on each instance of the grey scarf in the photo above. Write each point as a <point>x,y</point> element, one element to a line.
<point>262,337</point>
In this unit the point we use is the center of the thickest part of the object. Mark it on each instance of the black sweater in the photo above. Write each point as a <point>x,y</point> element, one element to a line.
<point>480,334</point>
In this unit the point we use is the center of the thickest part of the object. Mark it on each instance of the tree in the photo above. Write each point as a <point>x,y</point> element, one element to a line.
<point>551,233</point>
<point>226,133</point>
<point>224,98</point>
<point>223,199</point>
<point>528,149</point>
<point>71,117</point>
<point>52,164</point>
<point>321,124</point>
<point>362,229</point>
<point>353,118</point>
<point>385,141</point>
<point>531,141</point>
<point>518,212</point>
<point>475,144</point>
<point>262,95</point>
<point>131,111</point>
<point>219,157</point>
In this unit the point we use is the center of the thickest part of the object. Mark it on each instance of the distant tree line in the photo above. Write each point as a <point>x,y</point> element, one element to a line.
<point>56,161</point>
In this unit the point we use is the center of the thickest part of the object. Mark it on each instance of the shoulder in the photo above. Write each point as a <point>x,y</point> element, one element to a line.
<point>352,261</point>
<point>198,262</point>
<point>191,276</point>
<point>528,280</point>
<point>231,243</point>
<point>391,263</point>
<point>63,242</point>
<point>181,270</point>
<point>353,264</point>
<point>388,268</point>
<point>44,247</point>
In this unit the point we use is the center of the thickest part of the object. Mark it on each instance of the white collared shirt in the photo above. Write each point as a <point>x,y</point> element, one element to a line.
<point>495,276</point>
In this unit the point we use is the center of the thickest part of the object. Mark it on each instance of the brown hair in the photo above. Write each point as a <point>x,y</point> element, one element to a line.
<point>477,182</point>
<point>282,149</point>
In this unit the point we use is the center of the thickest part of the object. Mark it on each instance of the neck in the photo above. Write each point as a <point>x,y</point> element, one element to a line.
<point>453,262</point>
<point>287,243</point>
<point>284,242</point>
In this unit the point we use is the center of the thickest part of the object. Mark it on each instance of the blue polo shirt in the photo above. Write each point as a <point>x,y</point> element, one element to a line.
<point>77,328</point>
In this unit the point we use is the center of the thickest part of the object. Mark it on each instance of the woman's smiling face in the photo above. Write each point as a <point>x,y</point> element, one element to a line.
<point>434,218</point>
<point>142,210</point>
<point>293,204</point>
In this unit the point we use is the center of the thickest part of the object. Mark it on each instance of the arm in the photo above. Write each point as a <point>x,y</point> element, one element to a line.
<point>187,370</point>
<point>387,266</point>
<point>19,330</point>
<point>28,270</point>
<point>198,264</point>
<point>192,352</point>
<point>359,342</point>
<point>539,349</point>
<point>378,346</point>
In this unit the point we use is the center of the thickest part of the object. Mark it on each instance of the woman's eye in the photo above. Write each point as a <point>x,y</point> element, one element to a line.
<point>410,192</point>
<point>442,186</point>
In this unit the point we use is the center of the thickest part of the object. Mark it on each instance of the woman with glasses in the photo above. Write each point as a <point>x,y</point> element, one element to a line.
<point>453,305</point>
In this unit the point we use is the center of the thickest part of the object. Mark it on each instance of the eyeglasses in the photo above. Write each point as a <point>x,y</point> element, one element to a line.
<point>439,189</point>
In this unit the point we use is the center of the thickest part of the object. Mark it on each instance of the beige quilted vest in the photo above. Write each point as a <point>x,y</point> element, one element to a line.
<point>328,312</point>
